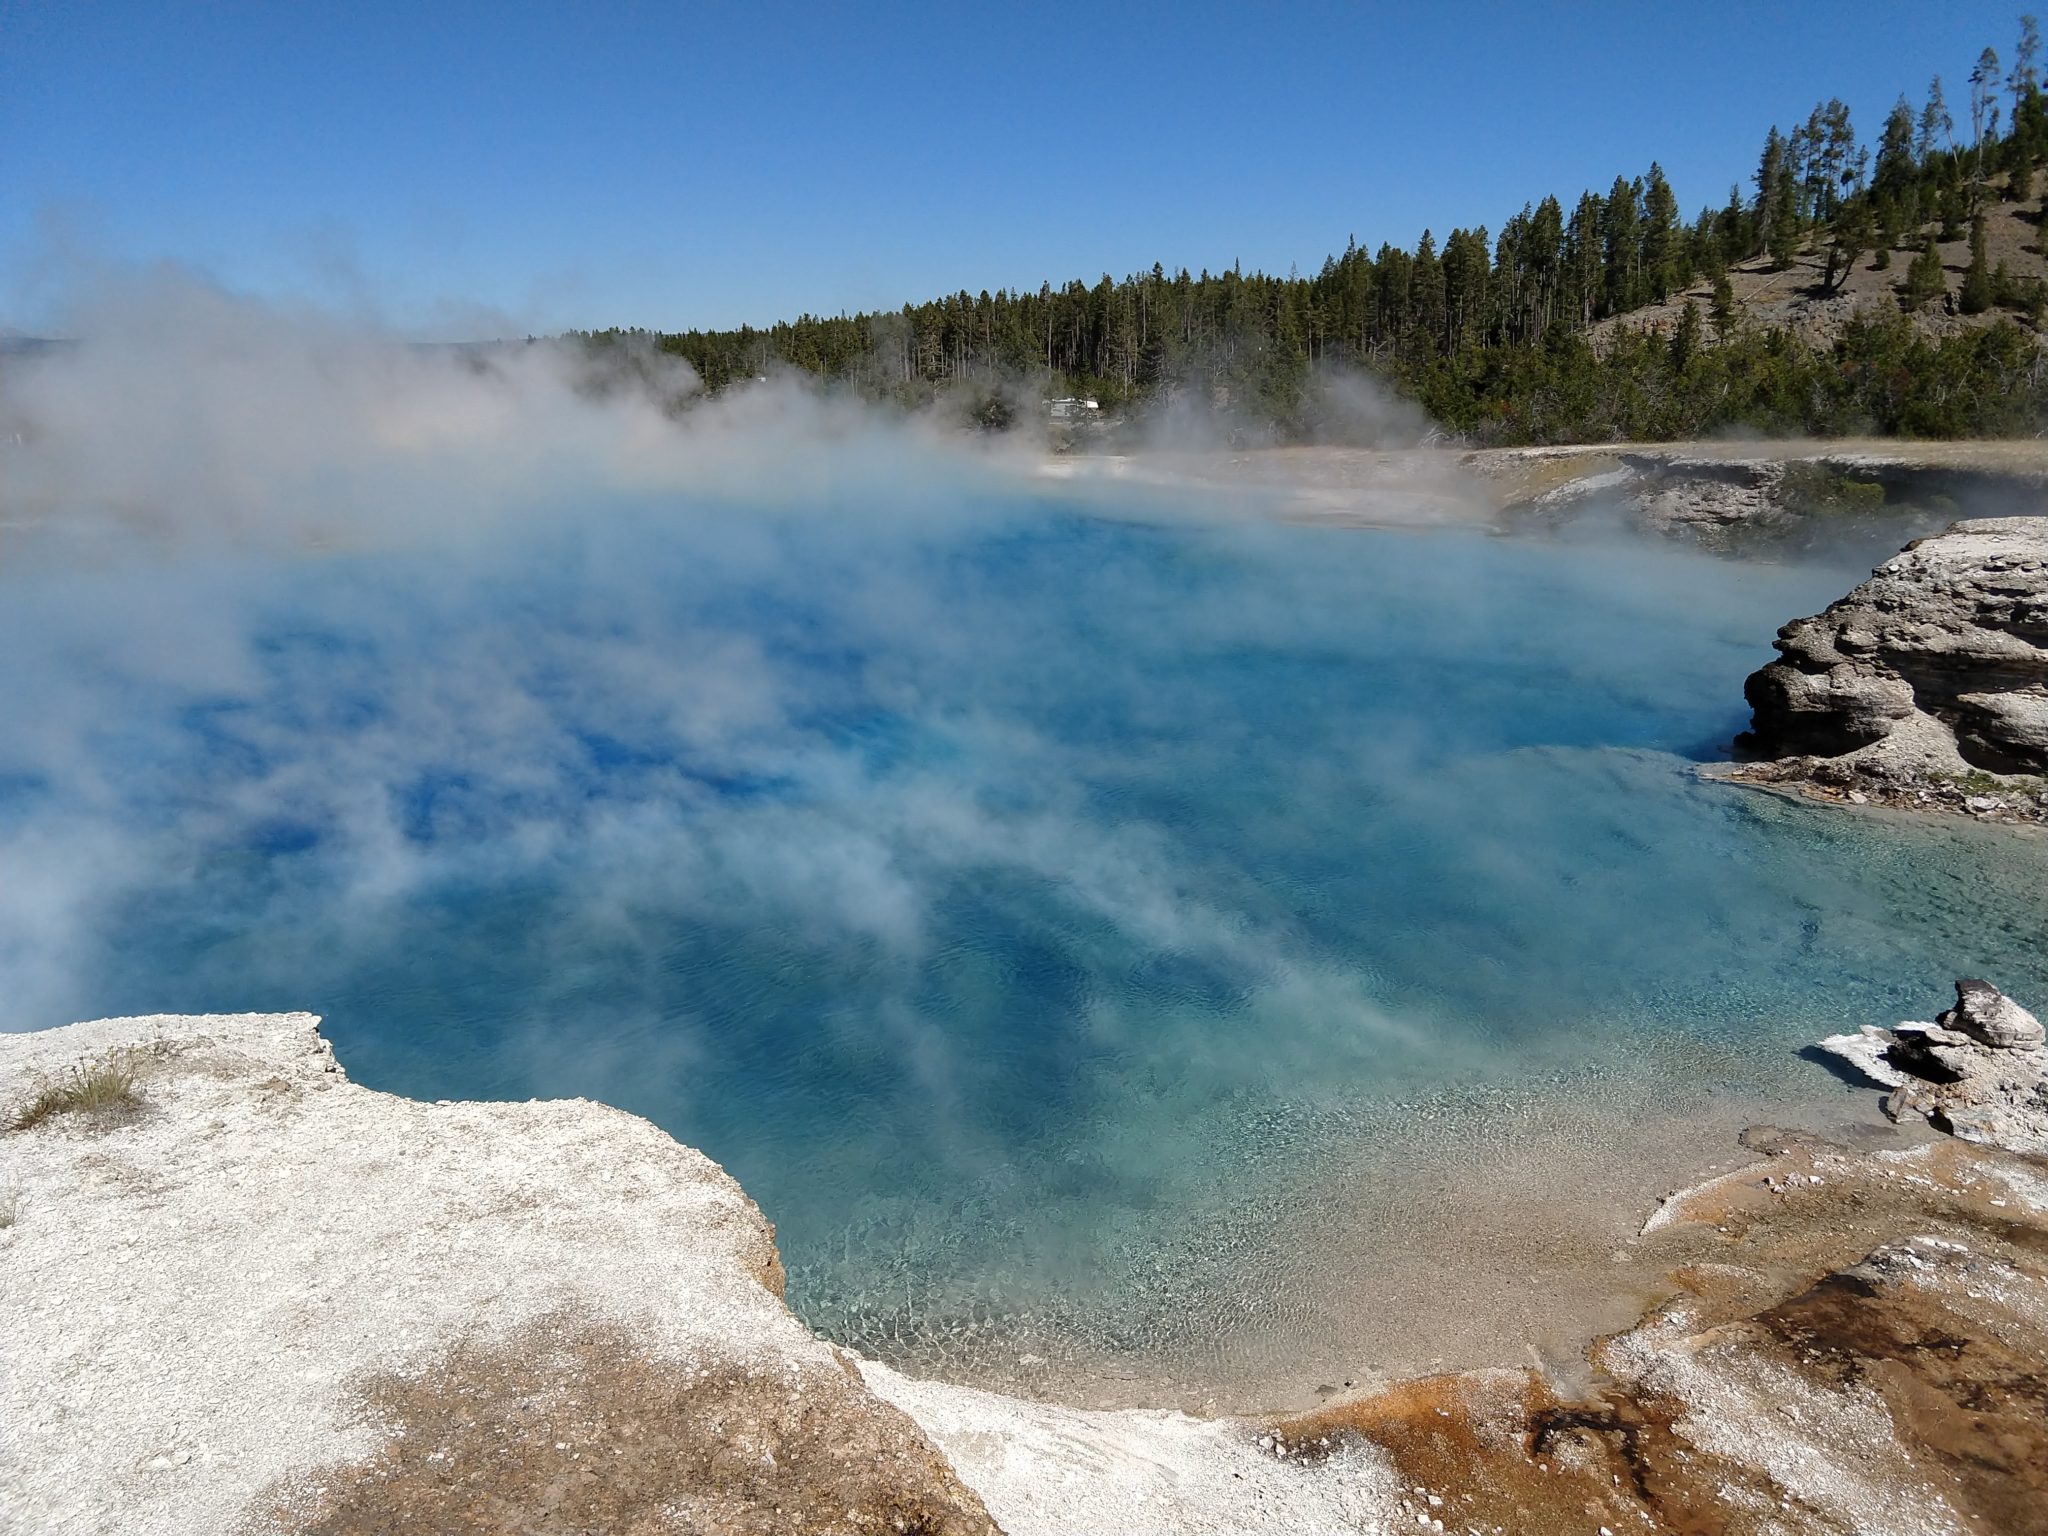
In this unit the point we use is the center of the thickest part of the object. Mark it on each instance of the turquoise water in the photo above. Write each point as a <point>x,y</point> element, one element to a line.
<point>1004,894</point>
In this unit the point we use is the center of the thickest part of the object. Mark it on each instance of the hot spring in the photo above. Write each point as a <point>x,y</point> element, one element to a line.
<point>1102,943</point>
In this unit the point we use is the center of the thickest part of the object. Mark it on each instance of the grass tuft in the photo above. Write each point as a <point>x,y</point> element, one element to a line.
<point>96,1086</point>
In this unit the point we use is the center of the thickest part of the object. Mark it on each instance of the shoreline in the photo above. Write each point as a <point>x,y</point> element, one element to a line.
<point>1911,801</point>
<point>1722,493</point>
<point>265,1298</point>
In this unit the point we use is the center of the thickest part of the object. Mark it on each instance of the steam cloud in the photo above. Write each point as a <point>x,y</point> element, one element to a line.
<point>304,620</point>
<point>389,619</point>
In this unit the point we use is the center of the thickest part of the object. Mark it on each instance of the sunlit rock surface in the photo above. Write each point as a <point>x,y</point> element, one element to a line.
<point>1856,1349</point>
<point>1979,1070</point>
<point>1732,494</point>
<point>262,1293</point>
<point>1929,682</point>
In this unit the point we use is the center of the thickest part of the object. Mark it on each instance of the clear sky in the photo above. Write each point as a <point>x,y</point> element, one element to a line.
<point>466,169</point>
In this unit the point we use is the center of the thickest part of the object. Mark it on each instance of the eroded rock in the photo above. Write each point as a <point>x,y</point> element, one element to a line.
<point>1987,1015</point>
<point>1933,670</point>
<point>1979,1071</point>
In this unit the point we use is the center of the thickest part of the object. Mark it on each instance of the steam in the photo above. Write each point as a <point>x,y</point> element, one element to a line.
<point>387,619</point>
<point>303,619</point>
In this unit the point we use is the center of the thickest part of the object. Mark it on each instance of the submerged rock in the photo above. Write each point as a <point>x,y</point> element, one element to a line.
<point>1926,686</point>
<point>1979,1071</point>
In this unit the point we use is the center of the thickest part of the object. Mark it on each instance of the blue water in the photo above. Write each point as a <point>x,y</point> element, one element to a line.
<point>999,891</point>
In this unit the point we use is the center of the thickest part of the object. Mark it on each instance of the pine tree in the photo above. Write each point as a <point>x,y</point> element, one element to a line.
<point>1703,246</point>
<point>2025,78</point>
<point>1925,278</point>
<point>1426,292</point>
<point>1832,164</point>
<point>1783,242</point>
<point>1937,127</point>
<point>1661,272</point>
<point>1621,245</point>
<point>1985,80</point>
<point>1685,340</point>
<point>1582,255</point>
<point>1954,208</point>
<point>1770,171</point>
<point>1733,226</point>
<point>1777,196</point>
<point>1851,237</point>
<point>1724,309</point>
<point>1977,293</point>
<point>2029,116</point>
<point>1896,166</point>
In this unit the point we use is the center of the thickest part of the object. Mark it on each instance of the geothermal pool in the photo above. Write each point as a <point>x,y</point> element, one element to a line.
<point>1060,923</point>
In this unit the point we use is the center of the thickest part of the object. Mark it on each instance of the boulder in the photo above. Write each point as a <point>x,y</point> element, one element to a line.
<point>1988,1016</point>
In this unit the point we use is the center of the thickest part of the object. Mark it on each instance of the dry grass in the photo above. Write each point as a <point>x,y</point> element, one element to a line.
<point>98,1086</point>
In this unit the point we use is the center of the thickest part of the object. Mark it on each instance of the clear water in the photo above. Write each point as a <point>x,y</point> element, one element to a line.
<point>1012,898</point>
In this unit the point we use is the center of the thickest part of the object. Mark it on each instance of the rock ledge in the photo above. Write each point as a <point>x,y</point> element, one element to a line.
<point>1925,687</point>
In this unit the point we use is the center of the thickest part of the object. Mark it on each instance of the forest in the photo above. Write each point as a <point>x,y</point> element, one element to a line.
<point>1523,336</point>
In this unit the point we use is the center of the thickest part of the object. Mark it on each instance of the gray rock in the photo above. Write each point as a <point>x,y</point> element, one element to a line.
<point>1952,630</point>
<point>1979,1072</point>
<point>2017,719</point>
<point>1986,1014</point>
<point>1705,495</point>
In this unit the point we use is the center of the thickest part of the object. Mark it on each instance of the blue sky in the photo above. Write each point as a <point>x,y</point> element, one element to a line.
<point>468,169</point>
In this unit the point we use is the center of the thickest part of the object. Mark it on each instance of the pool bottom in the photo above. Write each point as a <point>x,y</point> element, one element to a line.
<point>1428,1238</point>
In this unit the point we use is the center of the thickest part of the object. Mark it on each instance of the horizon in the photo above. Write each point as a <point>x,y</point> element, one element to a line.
<point>487,178</point>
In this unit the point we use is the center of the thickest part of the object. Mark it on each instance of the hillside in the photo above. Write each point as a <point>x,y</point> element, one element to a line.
<point>1796,299</point>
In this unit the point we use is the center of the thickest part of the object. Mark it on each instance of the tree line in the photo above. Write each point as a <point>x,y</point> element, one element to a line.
<point>1501,336</point>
